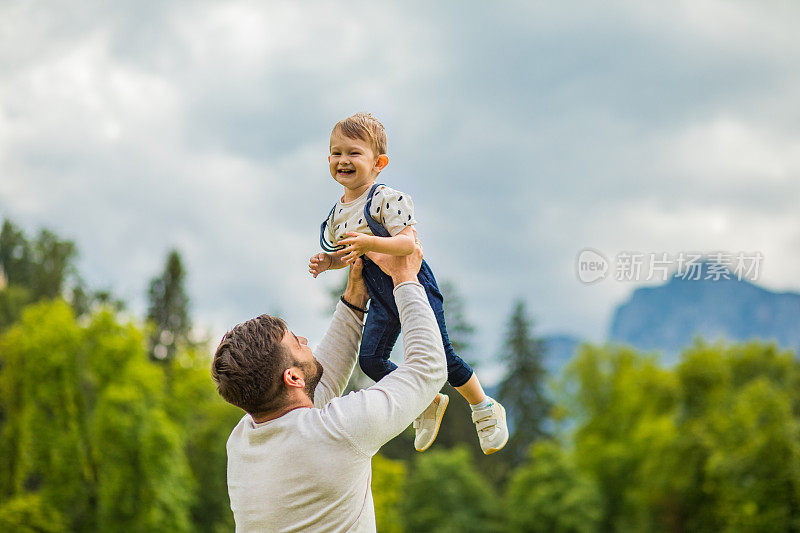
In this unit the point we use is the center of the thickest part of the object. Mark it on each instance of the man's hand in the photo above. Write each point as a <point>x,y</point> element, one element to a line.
<point>356,245</point>
<point>356,291</point>
<point>401,268</point>
<point>319,263</point>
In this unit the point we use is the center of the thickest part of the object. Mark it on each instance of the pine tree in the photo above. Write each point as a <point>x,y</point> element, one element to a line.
<point>459,329</point>
<point>522,390</point>
<point>457,428</point>
<point>37,269</point>
<point>168,309</point>
<point>445,491</point>
<point>53,267</point>
<point>15,255</point>
<point>44,266</point>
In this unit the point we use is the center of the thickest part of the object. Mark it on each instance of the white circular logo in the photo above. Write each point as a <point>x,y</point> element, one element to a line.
<point>591,265</point>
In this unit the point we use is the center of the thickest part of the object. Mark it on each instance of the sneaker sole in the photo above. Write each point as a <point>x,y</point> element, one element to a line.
<point>439,415</point>
<point>490,451</point>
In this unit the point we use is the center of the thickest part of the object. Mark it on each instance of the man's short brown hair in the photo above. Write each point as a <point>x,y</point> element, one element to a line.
<point>365,127</point>
<point>249,363</point>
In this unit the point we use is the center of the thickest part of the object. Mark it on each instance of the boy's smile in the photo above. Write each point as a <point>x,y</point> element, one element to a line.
<point>354,164</point>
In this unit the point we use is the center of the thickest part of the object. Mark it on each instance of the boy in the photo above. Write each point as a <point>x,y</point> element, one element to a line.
<point>373,217</point>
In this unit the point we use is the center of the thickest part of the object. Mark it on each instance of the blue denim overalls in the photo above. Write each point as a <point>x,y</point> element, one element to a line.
<point>383,319</point>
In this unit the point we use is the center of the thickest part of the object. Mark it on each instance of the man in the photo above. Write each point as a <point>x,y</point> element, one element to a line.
<point>300,459</point>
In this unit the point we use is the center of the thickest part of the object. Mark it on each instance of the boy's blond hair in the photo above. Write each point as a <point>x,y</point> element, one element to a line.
<point>365,127</point>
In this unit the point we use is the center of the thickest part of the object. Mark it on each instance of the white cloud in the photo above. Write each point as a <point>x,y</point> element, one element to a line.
<point>728,152</point>
<point>136,126</point>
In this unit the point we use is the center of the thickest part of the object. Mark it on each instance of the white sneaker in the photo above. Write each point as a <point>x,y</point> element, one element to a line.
<point>490,423</point>
<point>426,425</point>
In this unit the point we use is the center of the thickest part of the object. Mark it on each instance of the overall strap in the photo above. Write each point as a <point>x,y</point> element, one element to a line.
<point>377,229</point>
<point>323,239</point>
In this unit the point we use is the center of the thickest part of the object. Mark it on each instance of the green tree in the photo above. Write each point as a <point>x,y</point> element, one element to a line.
<point>15,255</point>
<point>143,481</point>
<point>43,447</point>
<point>549,494</point>
<point>388,477</point>
<point>53,265</point>
<point>623,409</point>
<point>32,270</point>
<point>13,300</point>
<point>206,422</point>
<point>86,426</point>
<point>457,428</point>
<point>459,329</point>
<point>739,437</point>
<point>445,493</point>
<point>711,445</point>
<point>29,514</point>
<point>91,439</point>
<point>168,309</point>
<point>43,268</point>
<point>522,389</point>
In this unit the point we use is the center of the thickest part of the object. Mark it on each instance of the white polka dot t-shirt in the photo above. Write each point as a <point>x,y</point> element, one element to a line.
<point>392,209</point>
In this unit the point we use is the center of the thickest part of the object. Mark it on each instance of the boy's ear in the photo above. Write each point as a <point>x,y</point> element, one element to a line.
<point>383,160</point>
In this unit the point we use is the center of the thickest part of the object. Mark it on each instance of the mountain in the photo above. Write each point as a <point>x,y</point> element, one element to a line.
<point>667,318</point>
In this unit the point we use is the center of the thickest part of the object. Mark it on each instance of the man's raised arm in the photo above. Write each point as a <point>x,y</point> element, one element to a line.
<point>338,349</point>
<point>373,416</point>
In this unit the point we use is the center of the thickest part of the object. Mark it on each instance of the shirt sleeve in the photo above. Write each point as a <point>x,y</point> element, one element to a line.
<point>396,210</point>
<point>371,417</point>
<point>337,352</point>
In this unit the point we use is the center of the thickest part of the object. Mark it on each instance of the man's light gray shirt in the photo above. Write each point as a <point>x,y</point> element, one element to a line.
<point>310,470</point>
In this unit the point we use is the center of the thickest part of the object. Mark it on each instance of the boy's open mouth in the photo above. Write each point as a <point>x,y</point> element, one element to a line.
<point>341,171</point>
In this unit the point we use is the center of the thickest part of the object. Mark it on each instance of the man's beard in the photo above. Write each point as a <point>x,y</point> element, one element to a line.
<point>313,380</point>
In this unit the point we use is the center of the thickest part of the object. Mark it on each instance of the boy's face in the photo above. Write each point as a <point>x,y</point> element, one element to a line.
<point>353,163</point>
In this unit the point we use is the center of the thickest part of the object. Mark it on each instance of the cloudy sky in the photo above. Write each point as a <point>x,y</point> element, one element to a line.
<point>524,131</point>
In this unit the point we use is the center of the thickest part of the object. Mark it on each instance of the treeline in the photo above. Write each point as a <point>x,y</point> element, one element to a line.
<point>105,424</point>
<point>108,424</point>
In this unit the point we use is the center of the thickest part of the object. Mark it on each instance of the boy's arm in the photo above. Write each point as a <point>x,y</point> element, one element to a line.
<point>336,261</point>
<point>321,262</point>
<point>357,244</point>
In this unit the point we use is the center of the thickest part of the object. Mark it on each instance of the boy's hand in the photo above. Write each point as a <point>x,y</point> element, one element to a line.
<point>400,267</point>
<point>356,245</point>
<point>319,263</point>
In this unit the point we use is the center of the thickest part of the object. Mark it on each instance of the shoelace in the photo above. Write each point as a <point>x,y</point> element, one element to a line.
<point>485,420</point>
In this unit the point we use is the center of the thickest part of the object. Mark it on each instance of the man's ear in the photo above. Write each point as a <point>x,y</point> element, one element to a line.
<point>293,378</point>
<point>382,161</point>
